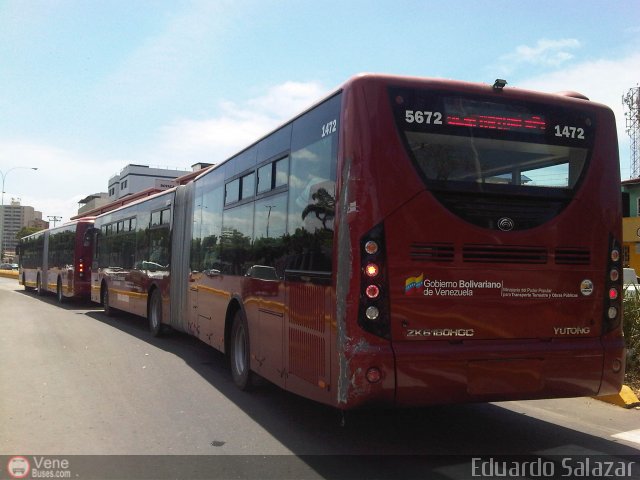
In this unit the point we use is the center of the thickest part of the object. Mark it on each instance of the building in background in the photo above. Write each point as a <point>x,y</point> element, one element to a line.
<point>631,223</point>
<point>91,202</point>
<point>137,189</point>
<point>136,178</point>
<point>14,217</point>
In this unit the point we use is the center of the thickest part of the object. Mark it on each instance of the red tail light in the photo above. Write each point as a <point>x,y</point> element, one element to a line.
<point>374,309</point>
<point>374,375</point>
<point>372,291</point>
<point>372,270</point>
<point>613,305</point>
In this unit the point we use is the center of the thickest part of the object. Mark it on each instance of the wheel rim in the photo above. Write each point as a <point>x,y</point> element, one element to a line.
<point>239,352</point>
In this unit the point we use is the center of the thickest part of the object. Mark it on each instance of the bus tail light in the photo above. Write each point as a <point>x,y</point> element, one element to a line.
<point>372,270</point>
<point>372,291</point>
<point>615,254</point>
<point>374,375</point>
<point>372,313</point>
<point>616,366</point>
<point>614,274</point>
<point>613,299</point>
<point>371,247</point>
<point>81,267</point>
<point>374,299</point>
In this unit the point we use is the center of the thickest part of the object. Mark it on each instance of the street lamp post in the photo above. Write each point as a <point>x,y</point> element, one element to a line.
<point>269,217</point>
<point>55,219</point>
<point>4,176</point>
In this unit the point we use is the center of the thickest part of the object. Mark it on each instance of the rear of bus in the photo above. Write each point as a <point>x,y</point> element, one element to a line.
<point>485,225</point>
<point>69,258</point>
<point>83,259</point>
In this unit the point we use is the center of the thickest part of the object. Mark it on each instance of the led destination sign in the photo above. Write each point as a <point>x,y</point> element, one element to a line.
<point>482,114</point>
<point>469,113</point>
<point>424,110</point>
<point>534,123</point>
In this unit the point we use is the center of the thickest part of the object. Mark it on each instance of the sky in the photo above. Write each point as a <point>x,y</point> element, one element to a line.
<point>89,86</point>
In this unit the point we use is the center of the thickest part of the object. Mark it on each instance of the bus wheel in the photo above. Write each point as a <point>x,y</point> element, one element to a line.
<point>239,353</point>
<point>108,310</point>
<point>39,287</point>
<point>59,293</point>
<point>155,313</point>
<point>24,284</point>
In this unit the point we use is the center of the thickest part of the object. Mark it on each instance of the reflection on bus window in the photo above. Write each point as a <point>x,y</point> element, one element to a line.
<point>262,272</point>
<point>311,207</point>
<point>489,161</point>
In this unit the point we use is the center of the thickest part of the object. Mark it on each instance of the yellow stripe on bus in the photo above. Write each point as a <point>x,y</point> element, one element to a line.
<point>65,288</point>
<point>128,293</point>
<point>214,291</point>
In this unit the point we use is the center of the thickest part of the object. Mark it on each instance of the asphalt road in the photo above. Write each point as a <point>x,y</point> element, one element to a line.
<point>75,382</point>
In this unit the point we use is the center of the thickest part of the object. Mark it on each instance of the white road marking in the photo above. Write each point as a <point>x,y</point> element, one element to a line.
<point>630,436</point>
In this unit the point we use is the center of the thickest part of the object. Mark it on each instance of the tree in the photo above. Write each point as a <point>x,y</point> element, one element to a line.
<point>324,208</point>
<point>24,231</point>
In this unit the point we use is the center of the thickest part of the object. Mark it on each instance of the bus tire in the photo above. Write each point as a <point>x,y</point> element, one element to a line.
<point>24,284</point>
<point>104,297</point>
<point>59,293</point>
<point>239,353</point>
<point>39,287</point>
<point>155,313</point>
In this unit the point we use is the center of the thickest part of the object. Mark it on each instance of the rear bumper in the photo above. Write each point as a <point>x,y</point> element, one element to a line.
<point>442,372</point>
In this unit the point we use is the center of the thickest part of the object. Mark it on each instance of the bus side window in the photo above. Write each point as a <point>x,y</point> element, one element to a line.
<point>312,199</point>
<point>270,228</point>
<point>236,241</point>
<point>207,237</point>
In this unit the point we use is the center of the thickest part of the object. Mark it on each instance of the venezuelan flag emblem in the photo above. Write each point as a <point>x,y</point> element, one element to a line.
<point>414,285</point>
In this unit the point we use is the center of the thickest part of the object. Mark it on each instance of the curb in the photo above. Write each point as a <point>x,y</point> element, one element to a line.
<point>8,273</point>
<point>625,398</point>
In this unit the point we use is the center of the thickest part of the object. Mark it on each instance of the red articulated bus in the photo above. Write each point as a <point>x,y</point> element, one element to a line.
<point>404,242</point>
<point>58,260</point>
<point>131,267</point>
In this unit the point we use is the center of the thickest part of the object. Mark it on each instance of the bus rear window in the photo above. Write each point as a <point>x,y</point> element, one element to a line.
<point>448,158</point>
<point>493,143</point>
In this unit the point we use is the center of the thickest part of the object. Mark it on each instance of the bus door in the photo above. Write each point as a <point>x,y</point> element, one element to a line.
<point>44,275</point>
<point>263,298</point>
<point>308,301</point>
<point>210,297</point>
<point>195,278</point>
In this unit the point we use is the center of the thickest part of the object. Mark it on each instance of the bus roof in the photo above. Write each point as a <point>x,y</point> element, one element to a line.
<point>368,78</point>
<point>138,201</point>
<point>64,225</point>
